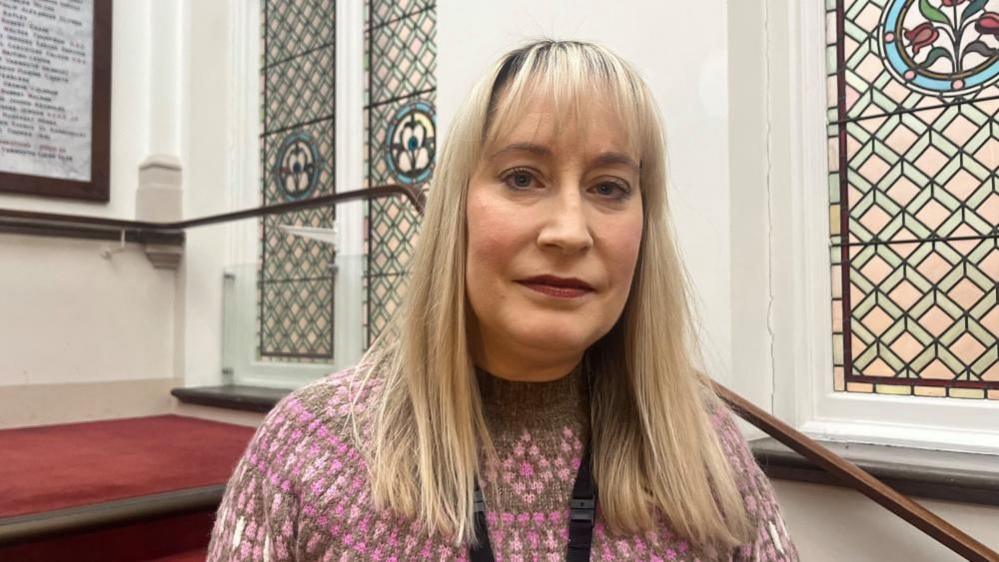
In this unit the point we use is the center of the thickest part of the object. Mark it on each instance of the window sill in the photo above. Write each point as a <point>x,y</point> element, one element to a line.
<point>232,397</point>
<point>945,475</point>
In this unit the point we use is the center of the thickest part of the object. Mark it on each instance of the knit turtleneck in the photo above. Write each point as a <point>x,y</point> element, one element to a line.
<point>301,492</point>
<point>511,406</point>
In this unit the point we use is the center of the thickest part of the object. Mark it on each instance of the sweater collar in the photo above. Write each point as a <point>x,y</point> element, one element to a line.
<point>514,404</point>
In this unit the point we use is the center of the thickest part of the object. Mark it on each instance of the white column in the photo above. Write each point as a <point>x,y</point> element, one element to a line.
<point>348,341</point>
<point>159,196</point>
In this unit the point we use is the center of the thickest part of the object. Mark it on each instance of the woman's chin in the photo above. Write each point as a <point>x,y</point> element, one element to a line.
<point>556,338</point>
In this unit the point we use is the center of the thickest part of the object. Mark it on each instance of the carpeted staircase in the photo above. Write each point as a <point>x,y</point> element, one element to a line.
<point>139,489</point>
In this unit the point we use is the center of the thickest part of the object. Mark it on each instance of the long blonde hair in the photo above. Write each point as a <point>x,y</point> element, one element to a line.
<point>654,449</point>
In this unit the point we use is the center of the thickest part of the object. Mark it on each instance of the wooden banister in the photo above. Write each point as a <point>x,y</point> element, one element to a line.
<point>82,226</point>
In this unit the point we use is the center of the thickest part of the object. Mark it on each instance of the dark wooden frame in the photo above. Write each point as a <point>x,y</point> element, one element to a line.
<point>99,186</point>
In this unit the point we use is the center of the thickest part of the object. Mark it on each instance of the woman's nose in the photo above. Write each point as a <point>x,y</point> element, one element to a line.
<point>566,227</point>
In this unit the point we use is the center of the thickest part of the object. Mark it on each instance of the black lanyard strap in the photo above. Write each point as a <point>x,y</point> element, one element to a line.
<point>482,552</point>
<point>582,514</point>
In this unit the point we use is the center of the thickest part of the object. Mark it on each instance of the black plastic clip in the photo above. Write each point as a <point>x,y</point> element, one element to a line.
<point>479,502</point>
<point>582,509</point>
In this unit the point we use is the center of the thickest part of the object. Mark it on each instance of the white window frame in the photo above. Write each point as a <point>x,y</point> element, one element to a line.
<point>803,383</point>
<point>243,191</point>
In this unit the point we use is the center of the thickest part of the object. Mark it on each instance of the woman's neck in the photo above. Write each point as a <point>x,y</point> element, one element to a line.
<point>524,365</point>
<point>513,371</point>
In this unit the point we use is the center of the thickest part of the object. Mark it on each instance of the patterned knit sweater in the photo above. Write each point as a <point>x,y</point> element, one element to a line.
<point>300,490</point>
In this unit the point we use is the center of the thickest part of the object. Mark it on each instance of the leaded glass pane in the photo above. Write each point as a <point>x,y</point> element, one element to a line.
<point>391,236</point>
<point>382,11</point>
<point>403,57</point>
<point>299,318</point>
<point>914,205</point>
<point>295,320</point>
<point>923,174</point>
<point>400,142</point>
<point>385,291</point>
<point>299,90</point>
<point>294,27</point>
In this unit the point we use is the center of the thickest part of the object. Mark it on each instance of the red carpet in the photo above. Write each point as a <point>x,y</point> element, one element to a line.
<point>55,467</point>
<point>198,555</point>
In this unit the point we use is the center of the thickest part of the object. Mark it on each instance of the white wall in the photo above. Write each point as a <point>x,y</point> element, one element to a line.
<point>204,133</point>
<point>83,337</point>
<point>68,314</point>
<point>830,524</point>
<point>71,316</point>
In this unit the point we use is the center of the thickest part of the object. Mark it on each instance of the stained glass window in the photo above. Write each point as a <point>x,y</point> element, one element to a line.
<point>914,206</point>
<point>298,67</point>
<point>400,136</point>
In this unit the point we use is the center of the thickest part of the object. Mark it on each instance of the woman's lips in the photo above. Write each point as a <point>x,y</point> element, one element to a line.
<point>556,291</point>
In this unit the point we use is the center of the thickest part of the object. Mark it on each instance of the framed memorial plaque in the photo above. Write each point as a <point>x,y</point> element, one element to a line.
<point>55,98</point>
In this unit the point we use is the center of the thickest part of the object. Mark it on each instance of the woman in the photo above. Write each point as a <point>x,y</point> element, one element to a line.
<point>536,399</point>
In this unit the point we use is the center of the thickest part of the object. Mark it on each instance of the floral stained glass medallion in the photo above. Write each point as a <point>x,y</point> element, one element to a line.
<point>944,48</point>
<point>913,89</point>
<point>412,143</point>
<point>299,164</point>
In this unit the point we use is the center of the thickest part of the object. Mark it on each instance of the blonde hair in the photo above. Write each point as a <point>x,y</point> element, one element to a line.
<point>654,448</point>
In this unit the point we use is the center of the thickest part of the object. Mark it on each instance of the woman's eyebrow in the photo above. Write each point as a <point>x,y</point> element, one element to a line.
<point>614,158</point>
<point>536,149</point>
<point>603,159</point>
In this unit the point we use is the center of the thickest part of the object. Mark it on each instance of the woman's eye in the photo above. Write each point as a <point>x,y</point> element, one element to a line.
<point>612,190</point>
<point>519,179</point>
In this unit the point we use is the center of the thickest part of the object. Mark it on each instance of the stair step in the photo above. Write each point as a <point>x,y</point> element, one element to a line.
<point>197,555</point>
<point>115,491</point>
<point>62,466</point>
<point>146,540</point>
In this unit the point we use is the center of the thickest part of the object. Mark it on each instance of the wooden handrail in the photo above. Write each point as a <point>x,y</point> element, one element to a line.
<point>134,229</point>
<point>859,479</point>
<point>850,474</point>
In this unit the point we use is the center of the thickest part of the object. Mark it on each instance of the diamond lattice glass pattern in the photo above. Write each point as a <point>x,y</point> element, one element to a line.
<point>403,57</point>
<point>300,90</point>
<point>294,27</point>
<point>382,11</point>
<point>401,70</point>
<point>914,205</point>
<point>295,318</point>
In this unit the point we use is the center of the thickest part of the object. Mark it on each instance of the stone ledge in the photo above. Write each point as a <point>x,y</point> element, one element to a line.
<point>961,477</point>
<point>233,397</point>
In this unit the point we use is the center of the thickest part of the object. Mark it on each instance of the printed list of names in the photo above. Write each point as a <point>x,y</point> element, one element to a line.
<point>46,77</point>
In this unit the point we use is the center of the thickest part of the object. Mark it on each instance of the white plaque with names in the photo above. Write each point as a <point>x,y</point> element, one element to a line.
<point>46,87</point>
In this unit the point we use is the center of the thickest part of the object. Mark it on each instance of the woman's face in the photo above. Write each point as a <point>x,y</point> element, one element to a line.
<point>554,229</point>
